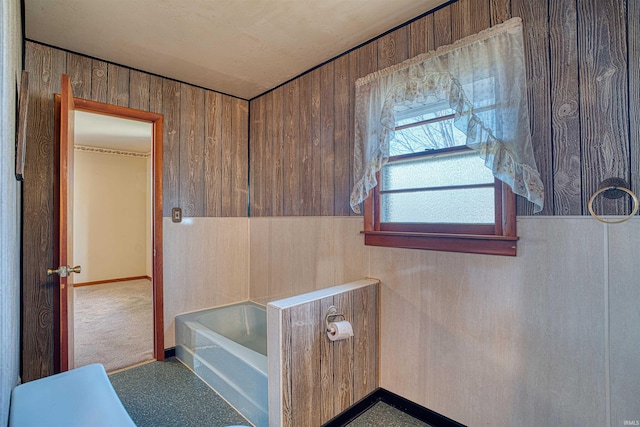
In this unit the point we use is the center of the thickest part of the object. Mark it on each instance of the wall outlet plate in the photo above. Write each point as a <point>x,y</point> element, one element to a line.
<point>176,215</point>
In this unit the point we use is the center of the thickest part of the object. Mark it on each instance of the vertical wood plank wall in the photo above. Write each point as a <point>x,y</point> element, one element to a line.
<point>583,80</point>
<point>318,378</point>
<point>205,167</point>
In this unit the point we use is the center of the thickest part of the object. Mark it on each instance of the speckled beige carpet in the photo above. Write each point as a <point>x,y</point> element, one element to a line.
<point>113,324</point>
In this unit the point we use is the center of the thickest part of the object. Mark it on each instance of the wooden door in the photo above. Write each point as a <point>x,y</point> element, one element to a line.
<point>67,108</point>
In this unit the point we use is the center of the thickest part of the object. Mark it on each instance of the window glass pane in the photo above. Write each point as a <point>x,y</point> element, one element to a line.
<point>431,136</point>
<point>463,206</point>
<point>446,170</point>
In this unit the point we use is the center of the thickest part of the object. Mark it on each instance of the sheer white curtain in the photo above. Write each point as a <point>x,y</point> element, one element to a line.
<point>483,72</point>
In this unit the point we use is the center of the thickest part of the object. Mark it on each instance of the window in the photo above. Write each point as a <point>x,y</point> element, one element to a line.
<point>442,143</point>
<point>436,193</point>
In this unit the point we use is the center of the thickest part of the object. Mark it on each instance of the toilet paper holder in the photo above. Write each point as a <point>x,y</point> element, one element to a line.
<point>331,315</point>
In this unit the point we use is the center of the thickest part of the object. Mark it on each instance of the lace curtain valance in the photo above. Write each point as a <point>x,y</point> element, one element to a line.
<point>480,72</point>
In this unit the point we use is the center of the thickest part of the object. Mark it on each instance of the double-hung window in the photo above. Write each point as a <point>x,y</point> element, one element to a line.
<point>441,141</point>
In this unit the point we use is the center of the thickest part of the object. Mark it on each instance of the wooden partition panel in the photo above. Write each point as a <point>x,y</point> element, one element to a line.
<point>312,379</point>
<point>204,171</point>
<point>581,71</point>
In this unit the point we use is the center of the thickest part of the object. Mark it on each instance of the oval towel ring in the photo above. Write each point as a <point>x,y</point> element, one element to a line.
<point>614,188</point>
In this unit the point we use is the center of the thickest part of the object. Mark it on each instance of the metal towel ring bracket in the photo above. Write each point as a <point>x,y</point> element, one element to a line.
<point>614,188</point>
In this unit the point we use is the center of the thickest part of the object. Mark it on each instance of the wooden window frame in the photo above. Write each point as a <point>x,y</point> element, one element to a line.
<point>499,238</point>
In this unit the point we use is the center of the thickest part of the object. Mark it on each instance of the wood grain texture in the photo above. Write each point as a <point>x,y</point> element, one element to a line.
<point>306,329</point>
<point>442,27</point>
<point>315,159</point>
<point>213,154</point>
<point>342,162</point>
<point>191,150</point>
<point>171,146</point>
<point>633,28</point>
<point>536,45</point>
<point>139,90</point>
<point>276,152</point>
<point>327,150</point>
<point>469,17</point>
<point>291,136</point>
<point>79,71</point>
<point>240,173</point>
<point>565,102</point>
<point>319,378</point>
<point>45,65</point>
<point>227,157</point>
<point>303,152</point>
<point>354,74</point>
<point>98,80</point>
<point>603,99</point>
<point>421,38</point>
<point>500,11</point>
<point>117,85</point>
<point>257,187</point>
<point>267,157</point>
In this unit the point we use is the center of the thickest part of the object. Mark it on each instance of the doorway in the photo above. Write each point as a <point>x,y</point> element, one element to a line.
<point>149,247</point>
<point>112,225</point>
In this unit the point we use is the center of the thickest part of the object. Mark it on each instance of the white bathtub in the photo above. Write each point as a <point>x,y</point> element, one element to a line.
<point>227,348</point>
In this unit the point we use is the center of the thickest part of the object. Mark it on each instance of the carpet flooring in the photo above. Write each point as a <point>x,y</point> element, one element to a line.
<point>113,324</point>
<point>160,394</point>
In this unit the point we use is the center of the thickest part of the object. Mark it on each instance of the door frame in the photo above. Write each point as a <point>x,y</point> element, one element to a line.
<point>156,121</point>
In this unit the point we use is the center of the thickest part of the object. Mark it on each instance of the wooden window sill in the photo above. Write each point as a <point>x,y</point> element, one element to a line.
<point>467,243</point>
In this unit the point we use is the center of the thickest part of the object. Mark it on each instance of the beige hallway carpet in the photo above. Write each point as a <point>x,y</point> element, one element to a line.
<point>113,324</point>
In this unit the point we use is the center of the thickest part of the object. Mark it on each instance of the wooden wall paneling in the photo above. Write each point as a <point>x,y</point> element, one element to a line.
<point>257,157</point>
<point>240,153</point>
<point>602,44</point>
<point>341,136</point>
<point>469,17</point>
<point>98,81</point>
<point>227,157</point>
<point>191,150</point>
<point>536,43</point>
<point>79,71</point>
<point>139,90</point>
<point>155,96</point>
<point>171,146</point>
<point>343,358</point>
<point>500,11</point>
<point>306,325</point>
<point>291,138</point>
<point>39,291</point>
<point>286,353</point>
<point>277,142</point>
<point>327,393</point>
<point>565,103</point>
<point>354,74</point>
<point>315,155</point>
<point>117,85</point>
<point>327,138</point>
<point>303,161</point>
<point>442,27</point>
<point>365,340</point>
<point>212,154</point>
<point>268,168</point>
<point>421,37</point>
<point>393,48</point>
<point>633,28</point>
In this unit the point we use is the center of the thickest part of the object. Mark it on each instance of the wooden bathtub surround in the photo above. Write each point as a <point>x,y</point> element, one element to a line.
<point>312,379</point>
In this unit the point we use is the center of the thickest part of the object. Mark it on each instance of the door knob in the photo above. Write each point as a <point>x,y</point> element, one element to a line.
<point>64,271</point>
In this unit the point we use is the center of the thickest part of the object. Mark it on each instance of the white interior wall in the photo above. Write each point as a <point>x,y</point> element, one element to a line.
<point>111,221</point>
<point>10,66</point>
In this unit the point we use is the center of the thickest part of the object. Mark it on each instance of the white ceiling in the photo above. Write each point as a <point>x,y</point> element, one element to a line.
<point>115,133</point>
<point>239,47</point>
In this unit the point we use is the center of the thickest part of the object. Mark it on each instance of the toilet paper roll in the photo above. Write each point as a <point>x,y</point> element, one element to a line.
<point>337,331</point>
